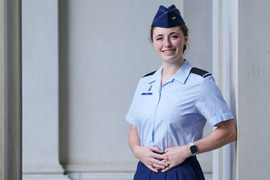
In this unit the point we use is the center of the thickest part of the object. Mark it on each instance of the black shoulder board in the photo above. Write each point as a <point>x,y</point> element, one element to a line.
<point>200,72</point>
<point>149,74</point>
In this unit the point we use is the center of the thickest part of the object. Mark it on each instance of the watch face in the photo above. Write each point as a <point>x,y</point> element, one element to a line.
<point>193,149</point>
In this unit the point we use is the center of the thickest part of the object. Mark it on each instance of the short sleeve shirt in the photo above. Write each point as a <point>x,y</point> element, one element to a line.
<point>175,113</point>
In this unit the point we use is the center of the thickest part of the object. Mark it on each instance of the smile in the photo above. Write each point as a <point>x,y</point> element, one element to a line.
<point>169,51</point>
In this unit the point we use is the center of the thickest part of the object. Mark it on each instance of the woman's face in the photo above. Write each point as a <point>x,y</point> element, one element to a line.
<point>169,43</point>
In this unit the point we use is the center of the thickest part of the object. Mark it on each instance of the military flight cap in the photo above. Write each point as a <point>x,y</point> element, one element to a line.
<point>168,17</point>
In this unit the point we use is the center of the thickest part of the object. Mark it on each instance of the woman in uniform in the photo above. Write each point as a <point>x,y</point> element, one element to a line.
<point>171,106</point>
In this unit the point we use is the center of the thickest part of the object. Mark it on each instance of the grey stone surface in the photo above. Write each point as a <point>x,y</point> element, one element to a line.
<point>254,72</point>
<point>198,18</point>
<point>2,90</point>
<point>103,58</point>
<point>10,91</point>
<point>40,91</point>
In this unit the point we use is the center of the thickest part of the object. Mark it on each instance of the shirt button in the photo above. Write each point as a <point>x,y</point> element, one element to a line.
<point>151,144</point>
<point>151,118</point>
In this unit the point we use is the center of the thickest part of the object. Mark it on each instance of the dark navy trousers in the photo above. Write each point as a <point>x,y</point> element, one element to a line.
<point>190,169</point>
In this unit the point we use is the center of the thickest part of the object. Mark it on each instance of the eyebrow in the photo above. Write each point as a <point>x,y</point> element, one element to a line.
<point>169,34</point>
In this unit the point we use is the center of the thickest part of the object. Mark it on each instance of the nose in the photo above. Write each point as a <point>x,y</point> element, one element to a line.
<point>167,42</point>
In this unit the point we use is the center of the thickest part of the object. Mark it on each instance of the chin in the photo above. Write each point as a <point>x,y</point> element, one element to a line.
<point>172,59</point>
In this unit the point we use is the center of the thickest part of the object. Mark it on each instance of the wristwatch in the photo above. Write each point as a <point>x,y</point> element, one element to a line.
<point>193,149</point>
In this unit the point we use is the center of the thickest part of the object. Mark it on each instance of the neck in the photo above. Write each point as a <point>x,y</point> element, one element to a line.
<point>169,69</point>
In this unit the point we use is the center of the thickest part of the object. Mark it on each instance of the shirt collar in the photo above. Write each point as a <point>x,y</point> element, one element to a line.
<point>181,75</point>
<point>156,76</point>
<point>183,72</point>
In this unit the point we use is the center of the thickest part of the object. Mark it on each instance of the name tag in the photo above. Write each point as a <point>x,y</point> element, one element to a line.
<point>147,93</point>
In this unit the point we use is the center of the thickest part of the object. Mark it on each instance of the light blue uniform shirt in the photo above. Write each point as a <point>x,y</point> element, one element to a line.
<point>175,113</point>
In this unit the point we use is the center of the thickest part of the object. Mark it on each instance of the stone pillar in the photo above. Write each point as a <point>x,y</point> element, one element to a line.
<point>230,77</point>
<point>10,90</point>
<point>40,91</point>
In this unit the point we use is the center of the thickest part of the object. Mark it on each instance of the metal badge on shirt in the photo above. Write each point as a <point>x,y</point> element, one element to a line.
<point>149,91</point>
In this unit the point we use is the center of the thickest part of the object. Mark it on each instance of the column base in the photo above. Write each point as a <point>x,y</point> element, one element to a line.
<point>45,177</point>
<point>101,172</point>
<point>101,175</point>
<point>52,172</point>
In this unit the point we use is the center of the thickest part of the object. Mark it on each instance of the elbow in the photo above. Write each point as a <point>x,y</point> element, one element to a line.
<point>235,136</point>
<point>233,133</point>
<point>229,131</point>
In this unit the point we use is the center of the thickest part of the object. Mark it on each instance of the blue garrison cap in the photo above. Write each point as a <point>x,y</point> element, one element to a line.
<point>168,17</point>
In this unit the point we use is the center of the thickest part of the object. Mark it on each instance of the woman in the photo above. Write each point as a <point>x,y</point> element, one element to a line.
<point>171,106</point>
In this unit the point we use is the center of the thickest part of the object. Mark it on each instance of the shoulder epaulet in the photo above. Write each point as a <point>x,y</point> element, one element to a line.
<point>200,72</point>
<point>148,74</point>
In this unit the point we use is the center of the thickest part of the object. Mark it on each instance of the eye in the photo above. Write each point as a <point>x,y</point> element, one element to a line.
<point>174,36</point>
<point>159,38</point>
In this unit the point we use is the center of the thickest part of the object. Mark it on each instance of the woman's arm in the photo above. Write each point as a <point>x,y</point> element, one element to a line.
<point>145,154</point>
<point>224,133</point>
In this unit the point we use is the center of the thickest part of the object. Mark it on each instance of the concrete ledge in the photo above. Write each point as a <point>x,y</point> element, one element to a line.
<point>102,176</point>
<point>27,169</point>
<point>45,177</point>
<point>101,168</point>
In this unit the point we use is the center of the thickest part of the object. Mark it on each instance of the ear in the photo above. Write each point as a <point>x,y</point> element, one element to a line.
<point>186,39</point>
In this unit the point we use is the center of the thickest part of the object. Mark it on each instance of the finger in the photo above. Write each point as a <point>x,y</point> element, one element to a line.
<point>165,157</point>
<point>160,164</point>
<point>157,166</point>
<point>166,163</point>
<point>166,169</point>
<point>156,149</point>
<point>151,167</point>
<point>159,157</point>
<point>166,150</point>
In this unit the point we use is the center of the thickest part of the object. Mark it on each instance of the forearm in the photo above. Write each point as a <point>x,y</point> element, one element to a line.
<point>133,138</point>
<point>222,135</point>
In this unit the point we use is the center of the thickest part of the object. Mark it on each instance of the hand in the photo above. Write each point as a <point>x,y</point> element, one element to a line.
<point>149,158</point>
<point>175,156</point>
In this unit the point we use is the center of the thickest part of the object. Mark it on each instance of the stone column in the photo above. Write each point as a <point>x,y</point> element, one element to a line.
<point>40,91</point>
<point>10,90</point>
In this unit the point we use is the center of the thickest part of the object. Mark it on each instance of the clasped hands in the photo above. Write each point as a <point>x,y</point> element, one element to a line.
<point>151,158</point>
